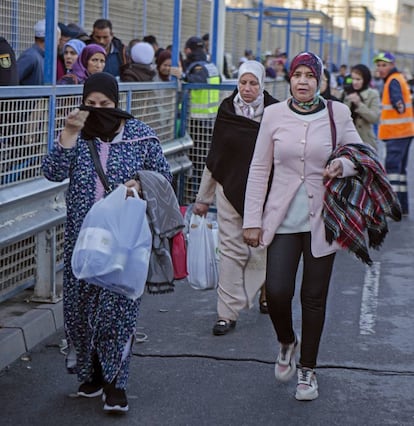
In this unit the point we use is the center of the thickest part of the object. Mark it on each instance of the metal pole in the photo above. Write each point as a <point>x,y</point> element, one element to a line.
<point>217,33</point>
<point>51,42</point>
<point>45,288</point>
<point>15,25</point>
<point>175,58</point>
<point>288,30</point>
<point>82,13</point>
<point>176,33</point>
<point>105,9</point>
<point>260,31</point>
<point>144,18</point>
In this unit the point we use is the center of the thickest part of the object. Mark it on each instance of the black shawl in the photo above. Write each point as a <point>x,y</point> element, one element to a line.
<point>232,148</point>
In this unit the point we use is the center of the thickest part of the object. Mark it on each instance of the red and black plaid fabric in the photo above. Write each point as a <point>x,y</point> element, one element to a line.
<point>358,204</point>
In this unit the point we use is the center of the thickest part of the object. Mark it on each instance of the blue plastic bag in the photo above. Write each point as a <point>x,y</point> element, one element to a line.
<point>114,244</point>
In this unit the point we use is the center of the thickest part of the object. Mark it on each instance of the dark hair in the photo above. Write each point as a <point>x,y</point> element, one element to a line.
<point>150,39</point>
<point>365,73</point>
<point>100,24</point>
<point>162,57</point>
<point>81,34</point>
<point>206,37</point>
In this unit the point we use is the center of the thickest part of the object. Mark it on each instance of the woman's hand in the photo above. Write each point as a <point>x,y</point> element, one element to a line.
<point>251,236</point>
<point>73,125</point>
<point>200,209</point>
<point>333,169</point>
<point>176,72</point>
<point>76,120</point>
<point>354,98</point>
<point>133,184</point>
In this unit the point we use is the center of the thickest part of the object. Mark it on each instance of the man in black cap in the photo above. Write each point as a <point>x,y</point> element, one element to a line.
<point>194,51</point>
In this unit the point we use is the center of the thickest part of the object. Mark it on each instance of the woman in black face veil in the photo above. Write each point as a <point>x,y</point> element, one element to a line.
<point>99,324</point>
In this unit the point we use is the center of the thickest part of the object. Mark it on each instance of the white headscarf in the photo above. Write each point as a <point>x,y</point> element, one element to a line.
<point>255,68</point>
<point>252,110</point>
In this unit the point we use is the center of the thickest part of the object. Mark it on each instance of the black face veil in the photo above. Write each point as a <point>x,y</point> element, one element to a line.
<point>102,122</point>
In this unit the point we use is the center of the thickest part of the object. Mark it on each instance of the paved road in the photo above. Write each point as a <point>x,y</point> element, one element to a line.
<point>183,375</point>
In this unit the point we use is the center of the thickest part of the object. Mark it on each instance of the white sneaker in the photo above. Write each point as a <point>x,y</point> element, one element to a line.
<point>307,387</point>
<point>285,366</point>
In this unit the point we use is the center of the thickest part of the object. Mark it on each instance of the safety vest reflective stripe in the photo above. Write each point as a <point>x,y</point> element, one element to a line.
<point>398,182</point>
<point>386,107</point>
<point>397,120</point>
<point>205,102</point>
<point>399,188</point>
<point>396,177</point>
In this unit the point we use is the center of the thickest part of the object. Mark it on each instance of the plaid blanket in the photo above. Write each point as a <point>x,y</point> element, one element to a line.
<point>360,203</point>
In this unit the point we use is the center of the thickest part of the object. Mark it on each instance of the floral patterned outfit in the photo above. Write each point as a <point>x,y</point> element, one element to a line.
<point>97,321</point>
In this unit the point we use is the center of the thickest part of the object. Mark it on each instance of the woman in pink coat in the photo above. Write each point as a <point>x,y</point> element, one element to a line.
<point>295,138</point>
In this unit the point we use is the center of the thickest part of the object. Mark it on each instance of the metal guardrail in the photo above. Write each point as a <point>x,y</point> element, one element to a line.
<point>32,209</point>
<point>32,219</point>
<point>30,215</point>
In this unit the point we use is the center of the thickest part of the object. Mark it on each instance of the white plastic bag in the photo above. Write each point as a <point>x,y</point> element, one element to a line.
<point>201,254</point>
<point>114,244</point>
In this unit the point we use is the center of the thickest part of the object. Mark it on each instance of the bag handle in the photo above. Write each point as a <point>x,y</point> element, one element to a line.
<point>135,192</point>
<point>98,166</point>
<point>332,123</point>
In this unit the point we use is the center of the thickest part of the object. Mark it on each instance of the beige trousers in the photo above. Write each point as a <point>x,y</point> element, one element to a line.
<point>242,269</point>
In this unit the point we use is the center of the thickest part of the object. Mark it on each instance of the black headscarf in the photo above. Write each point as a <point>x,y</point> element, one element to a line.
<point>366,78</point>
<point>231,151</point>
<point>102,122</point>
<point>326,94</point>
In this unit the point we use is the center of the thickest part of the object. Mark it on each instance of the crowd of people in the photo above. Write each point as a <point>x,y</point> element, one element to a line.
<point>137,61</point>
<point>268,168</point>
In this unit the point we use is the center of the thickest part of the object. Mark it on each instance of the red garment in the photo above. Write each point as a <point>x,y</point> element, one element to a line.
<point>60,69</point>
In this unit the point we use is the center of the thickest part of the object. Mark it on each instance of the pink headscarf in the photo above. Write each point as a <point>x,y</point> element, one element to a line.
<point>311,61</point>
<point>81,64</point>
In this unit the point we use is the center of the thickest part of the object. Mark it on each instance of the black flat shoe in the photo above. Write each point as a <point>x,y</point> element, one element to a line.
<point>263,307</point>
<point>221,327</point>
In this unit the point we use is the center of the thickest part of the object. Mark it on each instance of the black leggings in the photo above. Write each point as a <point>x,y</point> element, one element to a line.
<point>283,257</point>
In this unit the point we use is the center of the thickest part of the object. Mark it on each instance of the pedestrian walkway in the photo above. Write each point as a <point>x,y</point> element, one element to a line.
<point>24,324</point>
<point>183,375</point>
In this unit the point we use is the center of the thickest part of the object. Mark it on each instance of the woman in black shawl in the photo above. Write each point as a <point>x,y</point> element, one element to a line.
<point>242,268</point>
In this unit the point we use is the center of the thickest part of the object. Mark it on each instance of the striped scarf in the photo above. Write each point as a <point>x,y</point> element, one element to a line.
<point>359,203</point>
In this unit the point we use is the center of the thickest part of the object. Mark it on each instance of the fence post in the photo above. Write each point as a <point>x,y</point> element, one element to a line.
<point>45,289</point>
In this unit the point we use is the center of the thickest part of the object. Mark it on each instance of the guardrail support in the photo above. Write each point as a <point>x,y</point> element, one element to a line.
<point>45,289</point>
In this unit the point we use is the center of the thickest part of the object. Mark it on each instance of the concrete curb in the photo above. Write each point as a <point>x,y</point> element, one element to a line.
<point>21,334</point>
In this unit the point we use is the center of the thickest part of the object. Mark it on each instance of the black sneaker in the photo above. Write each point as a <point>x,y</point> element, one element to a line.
<point>221,327</point>
<point>95,386</point>
<point>90,389</point>
<point>115,399</point>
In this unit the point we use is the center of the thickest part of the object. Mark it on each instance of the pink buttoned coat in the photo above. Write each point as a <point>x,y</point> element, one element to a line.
<point>298,146</point>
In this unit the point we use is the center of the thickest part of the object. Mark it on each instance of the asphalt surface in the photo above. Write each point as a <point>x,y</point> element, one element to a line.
<point>183,375</point>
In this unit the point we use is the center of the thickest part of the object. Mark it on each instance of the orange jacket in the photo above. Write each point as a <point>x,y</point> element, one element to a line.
<point>392,124</point>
